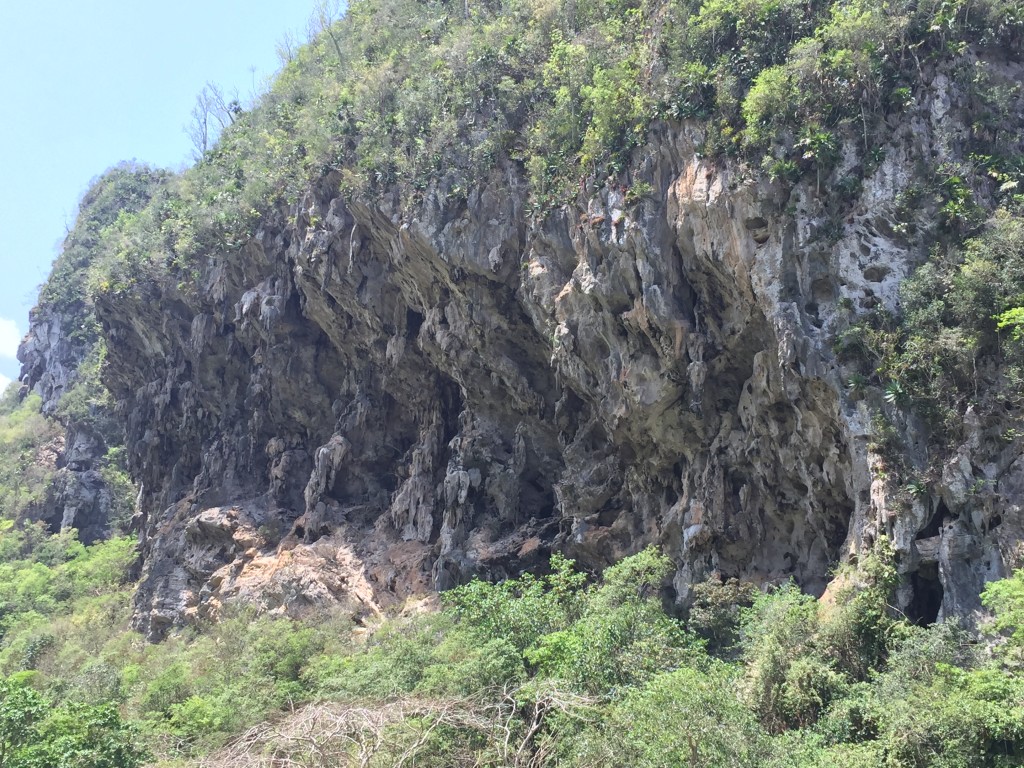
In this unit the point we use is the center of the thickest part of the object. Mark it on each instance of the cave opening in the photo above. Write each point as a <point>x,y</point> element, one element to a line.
<point>934,525</point>
<point>413,323</point>
<point>55,522</point>
<point>927,600</point>
<point>537,498</point>
<point>452,406</point>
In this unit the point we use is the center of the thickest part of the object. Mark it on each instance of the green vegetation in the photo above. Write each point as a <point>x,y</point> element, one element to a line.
<point>432,98</point>
<point>540,670</point>
<point>958,308</point>
<point>31,442</point>
<point>424,100</point>
<point>958,343</point>
<point>117,194</point>
<point>55,594</point>
<point>36,734</point>
<point>27,453</point>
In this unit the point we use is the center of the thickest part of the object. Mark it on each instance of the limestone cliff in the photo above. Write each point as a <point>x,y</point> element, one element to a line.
<point>79,496</point>
<point>61,358</point>
<point>369,399</point>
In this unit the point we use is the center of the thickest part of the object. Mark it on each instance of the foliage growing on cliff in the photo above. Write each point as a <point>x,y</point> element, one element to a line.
<point>27,453</point>
<point>534,671</point>
<point>954,306</point>
<point>121,191</point>
<point>424,100</point>
<point>957,343</point>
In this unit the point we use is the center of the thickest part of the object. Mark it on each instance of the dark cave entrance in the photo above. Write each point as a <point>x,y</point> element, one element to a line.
<point>934,525</point>
<point>54,522</point>
<point>449,394</point>
<point>927,600</point>
<point>413,323</point>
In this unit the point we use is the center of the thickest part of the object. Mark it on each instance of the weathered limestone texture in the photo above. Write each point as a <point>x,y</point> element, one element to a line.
<point>78,497</point>
<point>365,402</point>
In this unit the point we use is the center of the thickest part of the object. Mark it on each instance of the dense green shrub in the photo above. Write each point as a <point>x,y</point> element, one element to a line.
<point>393,661</point>
<point>959,718</point>
<point>778,632</point>
<point>859,628</point>
<point>685,717</point>
<point>801,656</point>
<point>622,635</point>
<point>716,611</point>
<point>520,610</point>
<point>35,734</point>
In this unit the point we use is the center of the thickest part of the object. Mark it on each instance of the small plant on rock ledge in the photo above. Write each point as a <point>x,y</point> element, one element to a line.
<point>856,384</point>
<point>885,439</point>
<point>896,393</point>
<point>916,488</point>
<point>640,190</point>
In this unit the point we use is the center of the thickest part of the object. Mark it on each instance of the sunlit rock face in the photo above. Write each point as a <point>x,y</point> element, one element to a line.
<point>366,402</point>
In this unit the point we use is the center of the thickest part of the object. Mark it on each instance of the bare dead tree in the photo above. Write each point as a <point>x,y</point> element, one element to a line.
<point>346,736</point>
<point>325,14</point>
<point>395,733</point>
<point>521,720</point>
<point>287,48</point>
<point>213,112</point>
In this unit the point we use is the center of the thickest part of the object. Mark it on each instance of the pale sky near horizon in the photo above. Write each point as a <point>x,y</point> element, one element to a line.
<point>85,85</point>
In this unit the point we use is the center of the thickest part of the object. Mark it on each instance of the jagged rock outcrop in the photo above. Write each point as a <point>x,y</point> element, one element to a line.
<point>61,357</point>
<point>79,497</point>
<point>366,401</point>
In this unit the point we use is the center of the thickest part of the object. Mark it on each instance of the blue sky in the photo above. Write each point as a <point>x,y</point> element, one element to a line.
<point>84,85</point>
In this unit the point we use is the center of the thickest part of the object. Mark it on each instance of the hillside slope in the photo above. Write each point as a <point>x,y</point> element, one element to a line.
<point>475,284</point>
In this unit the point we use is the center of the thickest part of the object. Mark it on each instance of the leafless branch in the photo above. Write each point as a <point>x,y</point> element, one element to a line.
<point>396,733</point>
<point>213,112</point>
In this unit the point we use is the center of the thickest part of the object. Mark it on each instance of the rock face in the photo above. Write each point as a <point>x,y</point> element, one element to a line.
<point>79,496</point>
<point>365,402</point>
<point>61,357</point>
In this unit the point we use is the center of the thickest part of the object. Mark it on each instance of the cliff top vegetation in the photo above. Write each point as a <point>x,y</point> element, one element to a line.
<point>404,99</point>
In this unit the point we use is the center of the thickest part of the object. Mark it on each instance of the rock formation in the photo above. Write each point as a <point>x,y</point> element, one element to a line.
<point>79,496</point>
<point>367,401</point>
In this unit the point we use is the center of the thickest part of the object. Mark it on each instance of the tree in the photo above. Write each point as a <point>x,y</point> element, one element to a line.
<point>35,734</point>
<point>214,111</point>
<point>1005,598</point>
<point>325,14</point>
<point>680,718</point>
<point>21,708</point>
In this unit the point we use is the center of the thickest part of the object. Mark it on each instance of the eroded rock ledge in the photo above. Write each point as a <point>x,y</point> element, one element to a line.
<point>365,403</point>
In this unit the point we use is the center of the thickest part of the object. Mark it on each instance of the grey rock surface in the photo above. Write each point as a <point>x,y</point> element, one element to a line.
<point>365,402</point>
<point>79,498</point>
